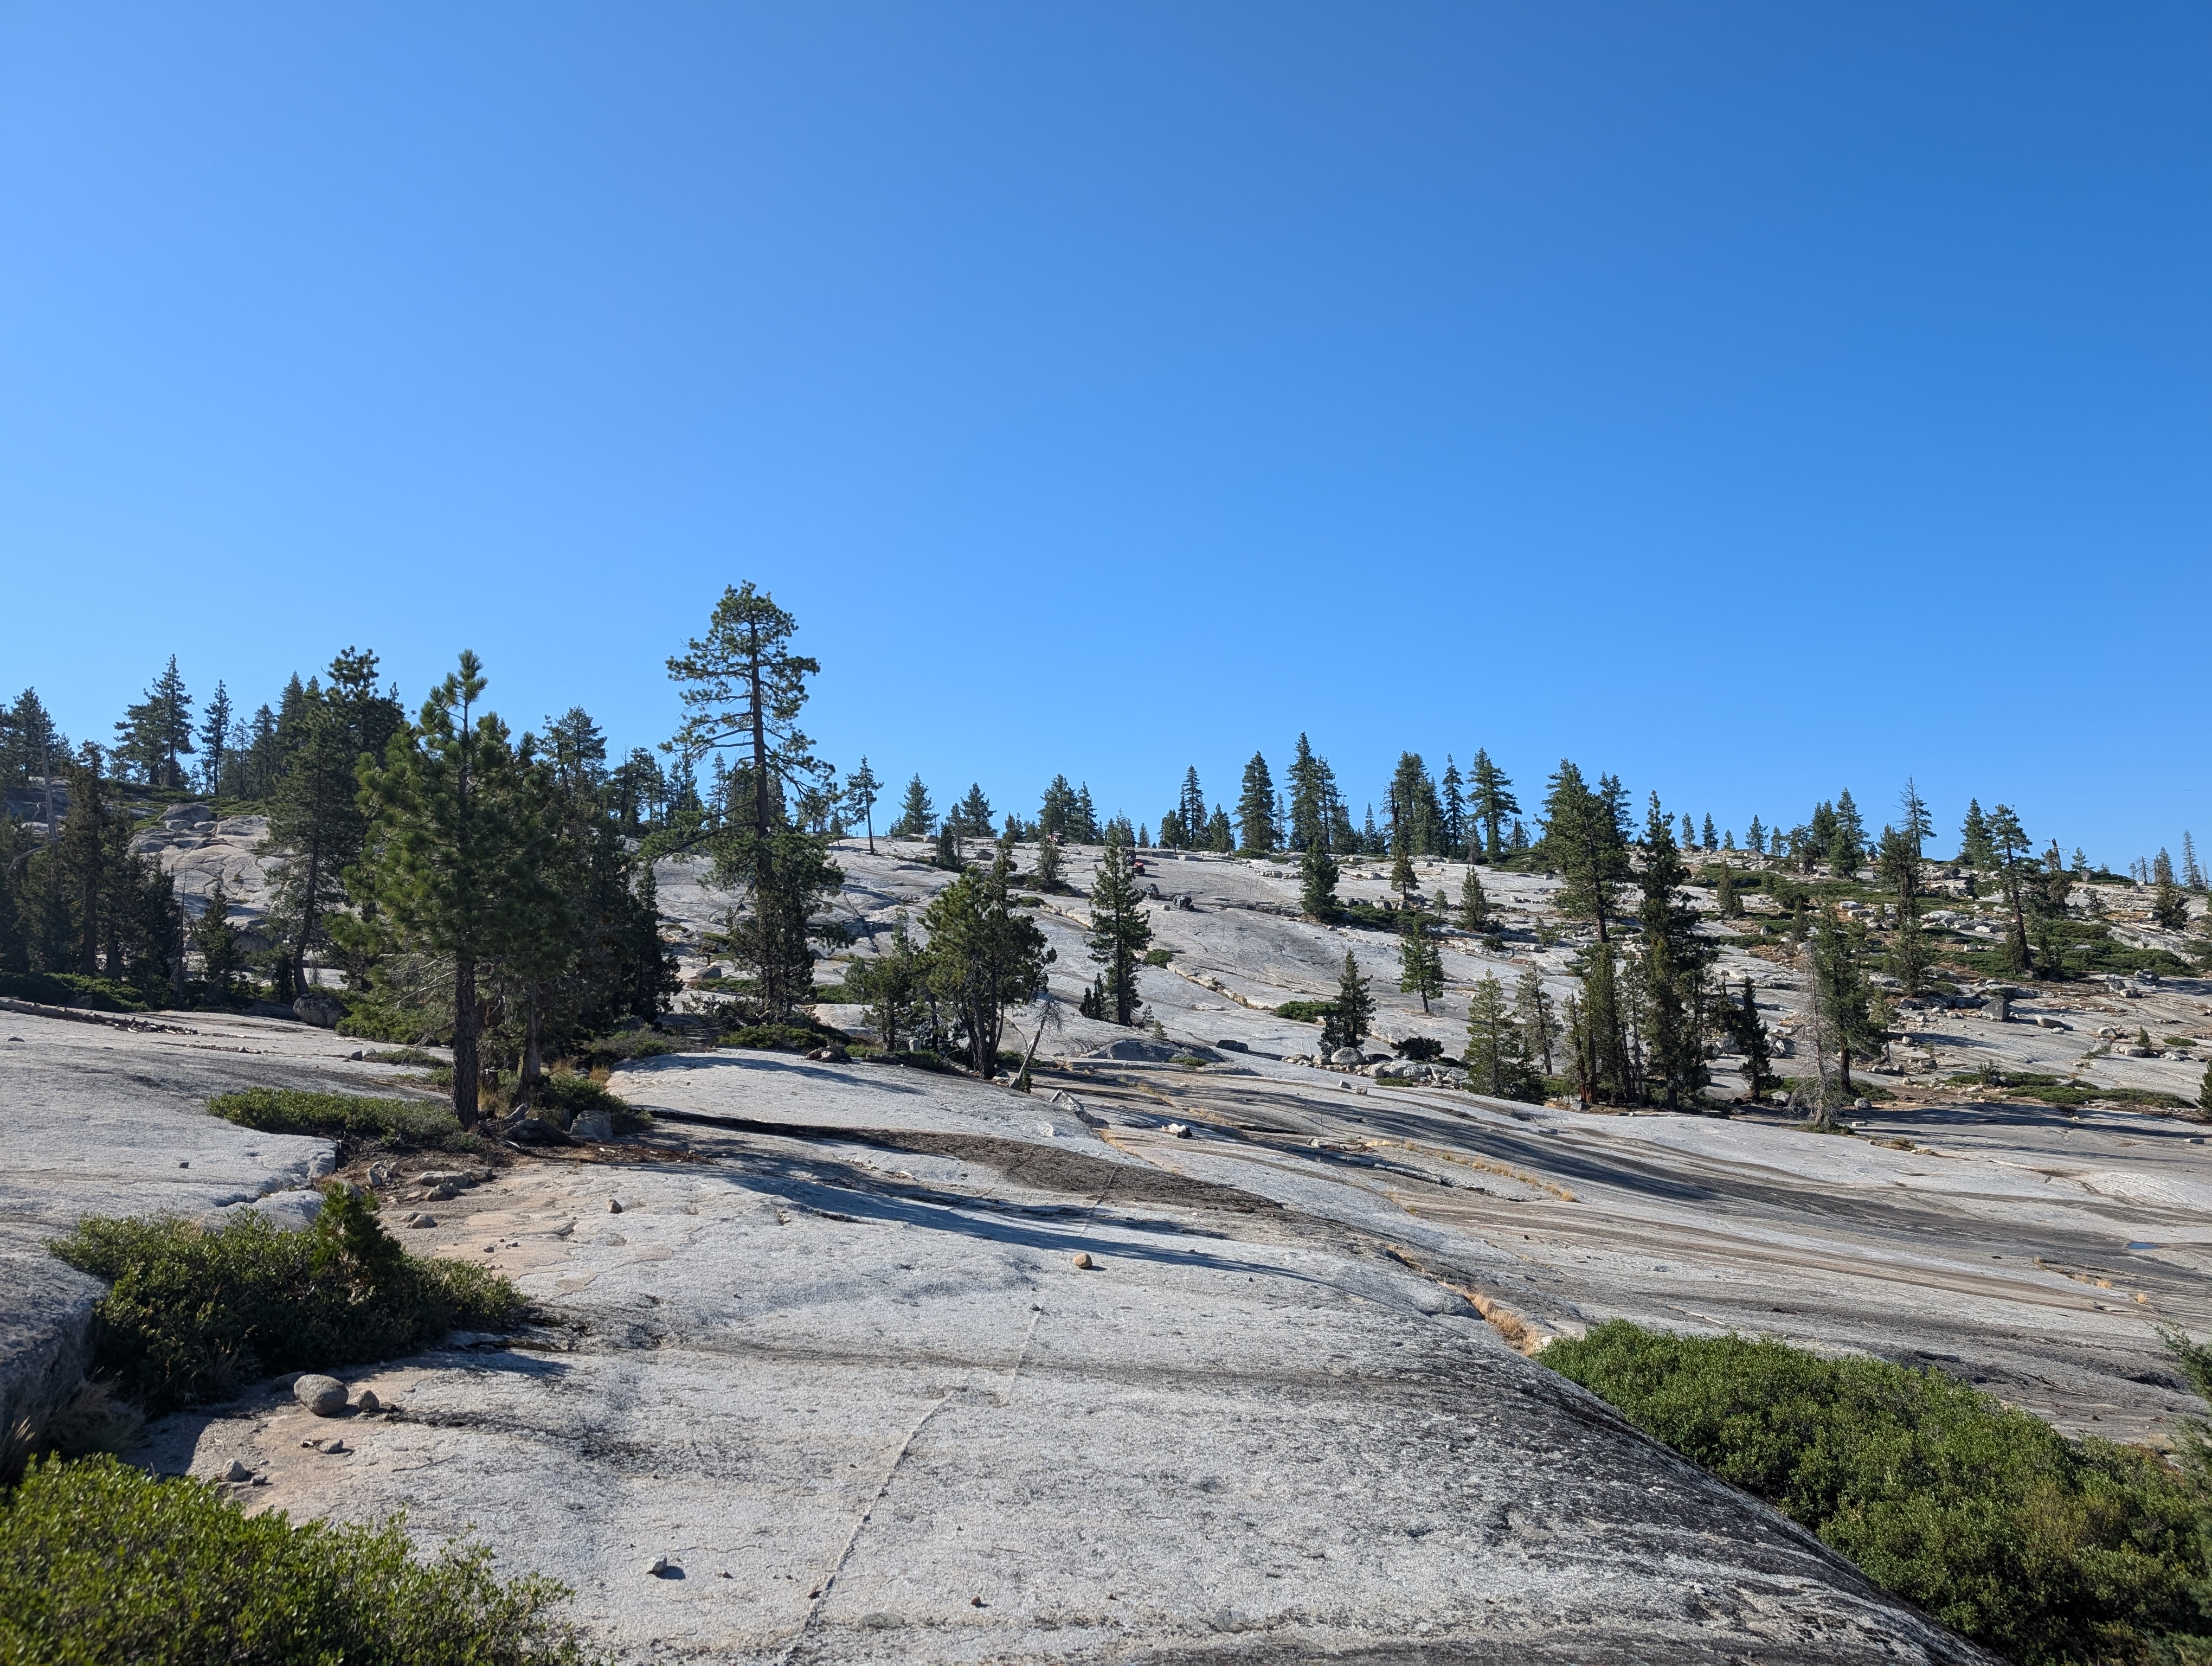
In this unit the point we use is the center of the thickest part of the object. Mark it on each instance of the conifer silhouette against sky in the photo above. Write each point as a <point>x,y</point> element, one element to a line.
<point>1749,401</point>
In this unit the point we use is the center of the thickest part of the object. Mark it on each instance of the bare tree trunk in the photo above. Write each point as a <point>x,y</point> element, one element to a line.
<point>465,1041</point>
<point>533,1032</point>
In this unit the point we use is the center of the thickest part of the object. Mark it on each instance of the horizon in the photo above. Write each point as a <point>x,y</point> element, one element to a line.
<point>1750,406</point>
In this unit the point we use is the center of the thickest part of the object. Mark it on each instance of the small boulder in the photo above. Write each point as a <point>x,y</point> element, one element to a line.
<point>326,1396</point>
<point>1083,1262</point>
<point>369,1401</point>
<point>658,1567</point>
<point>614,1206</point>
<point>237,1472</point>
<point>1178,1130</point>
<point>595,1124</point>
<point>319,1009</point>
<point>1347,1055</point>
<point>418,1218</point>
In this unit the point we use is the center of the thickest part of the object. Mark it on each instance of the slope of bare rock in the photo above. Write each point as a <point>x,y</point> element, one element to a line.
<point>105,1120</point>
<point>847,1375</point>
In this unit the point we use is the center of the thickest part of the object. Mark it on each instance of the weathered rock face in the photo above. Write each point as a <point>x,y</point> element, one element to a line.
<point>960,1388</point>
<point>105,1120</point>
<point>319,1009</point>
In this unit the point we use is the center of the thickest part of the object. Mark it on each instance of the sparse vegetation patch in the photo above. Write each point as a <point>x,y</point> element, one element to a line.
<point>2046,1550</point>
<point>101,1562</point>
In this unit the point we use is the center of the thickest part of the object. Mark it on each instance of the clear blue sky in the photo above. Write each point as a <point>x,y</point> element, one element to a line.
<point>1750,400</point>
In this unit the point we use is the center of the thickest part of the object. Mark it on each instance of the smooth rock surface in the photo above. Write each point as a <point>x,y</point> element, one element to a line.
<point>103,1119</point>
<point>857,1367</point>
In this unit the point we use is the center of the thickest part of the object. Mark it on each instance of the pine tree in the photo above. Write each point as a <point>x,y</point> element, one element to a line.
<point>1490,801</point>
<point>741,687</point>
<point>317,821</point>
<point>215,739</point>
<point>1189,813</point>
<point>1057,815</point>
<point>1539,1024</point>
<point>1317,878</point>
<point>1847,844</point>
<point>1497,1063</point>
<point>448,868</point>
<point>216,940</point>
<point>1045,875</point>
<point>1416,822</point>
<point>1974,847</point>
<point>1898,864</point>
<point>1675,958</point>
<point>2169,909</point>
<point>1255,808</point>
<point>1473,905</point>
<point>1420,963</point>
<point>985,955</point>
<point>1583,838</point>
<point>32,745</point>
<point>917,816</point>
<point>2009,848</point>
<point>1755,840</point>
<point>1689,833</point>
<point>156,730</point>
<point>971,818</point>
<point>1709,843</point>
<point>1309,798</point>
<point>1220,837</point>
<point>1725,897</point>
<point>889,984</point>
<point>1748,1031</point>
<point>1843,1001</point>
<point>1119,930</point>
<point>1403,879</point>
<point>1087,829</point>
<point>1451,793</point>
<point>1597,1031</point>
<point>1353,1011</point>
<point>861,788</point>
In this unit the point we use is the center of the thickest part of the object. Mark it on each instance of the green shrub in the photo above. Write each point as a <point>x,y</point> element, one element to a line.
<point>1157,956</point>
<point>190,1312</point>
<point>338,1115</point>
<point>802,1037</point>
<point>625,1045</point>
<point>2063,1092</point>
<point>72,989</point>
<point>414,1055</point>
<point>370,1020</point>
<point>2045,1550</point>
<point>101,1562</point>
<point>1307,1011</point>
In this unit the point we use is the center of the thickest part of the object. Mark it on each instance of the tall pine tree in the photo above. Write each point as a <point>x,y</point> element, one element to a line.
<point>449,862</point>
<point>1255,808</point>
<point>1490,802</point>
<point>1675,958</point>
<point>1119,930</point>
